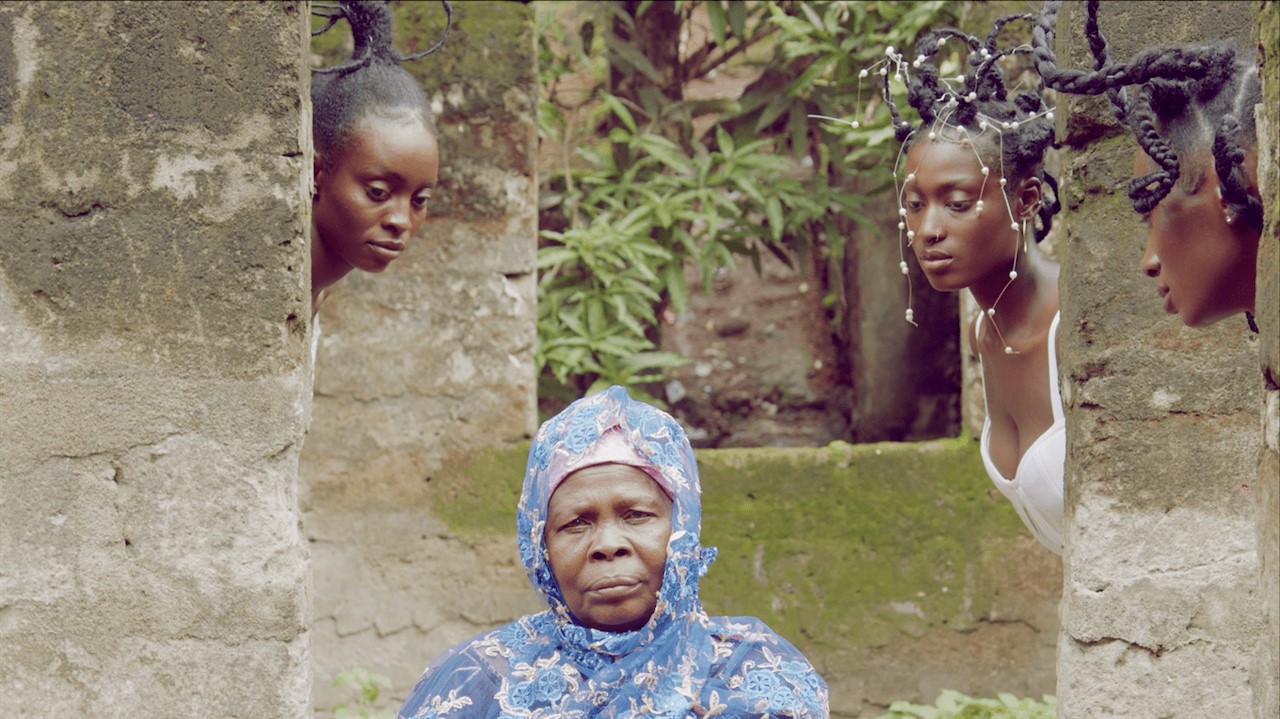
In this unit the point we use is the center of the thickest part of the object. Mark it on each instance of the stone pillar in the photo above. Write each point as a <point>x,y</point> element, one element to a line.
<point>429,361</point>
<point>906,379</point>
<point>153,359</point>
<point>1160,616</point>
<point>1266,669</point>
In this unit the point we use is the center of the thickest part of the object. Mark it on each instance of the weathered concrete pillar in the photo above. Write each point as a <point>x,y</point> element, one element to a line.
<point>153,359</point>
<point>1266,669</point>
<point>1160,615</point>
<point>430,361</point>
<point>906,379</point>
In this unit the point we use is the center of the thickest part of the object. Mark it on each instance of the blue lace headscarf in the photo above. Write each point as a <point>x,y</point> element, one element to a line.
<point>680,664</point>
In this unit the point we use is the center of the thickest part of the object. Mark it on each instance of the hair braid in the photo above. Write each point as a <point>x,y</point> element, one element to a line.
<point>1098,47</point>
<point>1182,91</point>
<point>371,81</point>
<point>1147,191</point>
<point>1016,127</point>
<point>1228,157</point>
<point>370,22</point>
<point>1048,208</point>
<point>1173,63</point>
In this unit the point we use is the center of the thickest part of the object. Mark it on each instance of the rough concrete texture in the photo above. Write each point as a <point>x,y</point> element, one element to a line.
<point>431,359</point>
<point>1160,614</point>
<point>896,568</point>
<point>1266,669</point>
<point>153,366</point>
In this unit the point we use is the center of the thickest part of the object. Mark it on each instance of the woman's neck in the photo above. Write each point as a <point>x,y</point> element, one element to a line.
<point>1014,301</point>
<point>326,269</point>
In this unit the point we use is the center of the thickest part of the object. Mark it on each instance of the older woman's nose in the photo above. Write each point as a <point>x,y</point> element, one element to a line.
<point>610,542</point>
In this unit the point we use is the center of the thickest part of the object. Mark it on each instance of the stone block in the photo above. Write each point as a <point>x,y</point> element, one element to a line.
<point>153,362</point>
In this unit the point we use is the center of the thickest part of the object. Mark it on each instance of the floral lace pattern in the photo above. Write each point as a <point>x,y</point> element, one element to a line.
<point>682,663</point>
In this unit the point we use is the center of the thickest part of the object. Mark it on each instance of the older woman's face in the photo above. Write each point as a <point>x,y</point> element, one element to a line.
<point>1204,267</point>
<point>606,537</point>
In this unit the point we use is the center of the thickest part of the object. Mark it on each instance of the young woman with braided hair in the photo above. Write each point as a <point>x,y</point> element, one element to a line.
<point>376,151</point>
<point>974,201</point>
<point>1195,173</point>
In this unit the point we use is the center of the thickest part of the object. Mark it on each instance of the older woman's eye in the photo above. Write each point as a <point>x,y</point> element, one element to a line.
<point>575,524</point>
<point>913,205</point>
<point>638,515</point>
<point>377,194</point>
<point>421,201</point>
<point>959,205</point>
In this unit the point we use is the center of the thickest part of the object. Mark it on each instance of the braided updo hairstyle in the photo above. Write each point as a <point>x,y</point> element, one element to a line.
<point>371,82</point>
<point>1011,132</point>
<point>1188,101</point>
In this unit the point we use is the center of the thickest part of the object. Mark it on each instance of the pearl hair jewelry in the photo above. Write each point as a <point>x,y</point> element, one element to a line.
<point>942,130</point>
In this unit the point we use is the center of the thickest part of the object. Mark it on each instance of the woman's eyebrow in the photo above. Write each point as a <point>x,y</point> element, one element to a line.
<point>948,185</point>
<point>382,171</point>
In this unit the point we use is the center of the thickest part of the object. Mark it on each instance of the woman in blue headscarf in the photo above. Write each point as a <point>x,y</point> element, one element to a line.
<point>608,529</point>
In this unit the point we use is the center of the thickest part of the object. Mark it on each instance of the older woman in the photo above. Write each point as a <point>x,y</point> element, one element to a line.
<point>608,529</point>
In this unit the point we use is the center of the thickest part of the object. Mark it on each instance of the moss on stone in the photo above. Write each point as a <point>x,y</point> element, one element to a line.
<point>478,493</point>
<point>869,539</point>
<point>830,546</point>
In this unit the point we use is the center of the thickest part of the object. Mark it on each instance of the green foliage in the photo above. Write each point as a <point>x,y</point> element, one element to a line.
<point>954,705</point>
<point>367,687</point>
<point>653,176</point>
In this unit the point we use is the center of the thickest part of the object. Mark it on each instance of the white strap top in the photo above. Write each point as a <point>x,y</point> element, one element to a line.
<point>1036,488</point>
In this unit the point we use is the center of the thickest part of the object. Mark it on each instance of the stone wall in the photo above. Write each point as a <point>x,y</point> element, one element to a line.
<point>1160,616</point>
<point>1266,670</point>
<point>430,360</point>
<point>153,359</point>
<point>896,568</point>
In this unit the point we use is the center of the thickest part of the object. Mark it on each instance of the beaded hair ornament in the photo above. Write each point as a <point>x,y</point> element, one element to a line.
<point>965,108</point>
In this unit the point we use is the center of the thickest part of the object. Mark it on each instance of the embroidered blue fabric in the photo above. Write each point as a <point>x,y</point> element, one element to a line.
<point>682,663</point>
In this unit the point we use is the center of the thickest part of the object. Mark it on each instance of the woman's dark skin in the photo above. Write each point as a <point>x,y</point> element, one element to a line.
<point>959,247</point>
<point>606,537</point>
<point>371,196</point>
<point>1201,255</point>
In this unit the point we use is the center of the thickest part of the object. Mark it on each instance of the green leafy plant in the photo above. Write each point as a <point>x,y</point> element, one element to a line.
<point>649,176</point>
<point>368,687</point>
<point>954,705</point>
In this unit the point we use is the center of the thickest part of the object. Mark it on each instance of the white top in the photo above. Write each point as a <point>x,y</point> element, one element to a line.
<point>1036,487</point>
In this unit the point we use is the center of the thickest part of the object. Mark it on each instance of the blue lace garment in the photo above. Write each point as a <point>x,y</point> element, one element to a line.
<point>682,663</point>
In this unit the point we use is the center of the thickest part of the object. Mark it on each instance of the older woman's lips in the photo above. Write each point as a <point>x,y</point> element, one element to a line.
<point>613,586</point>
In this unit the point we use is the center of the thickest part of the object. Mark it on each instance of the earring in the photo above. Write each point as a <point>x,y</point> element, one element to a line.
<point>1229,217</point>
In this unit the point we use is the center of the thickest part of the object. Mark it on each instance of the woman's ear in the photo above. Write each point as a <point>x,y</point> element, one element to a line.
<point>317,172</point>
<point>1029,198</point>
<point>1228,214</point>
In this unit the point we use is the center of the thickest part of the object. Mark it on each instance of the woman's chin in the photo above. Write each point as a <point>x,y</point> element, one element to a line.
<point>622,620</point>
<point>942,282</point>
<point>1200,319</point>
